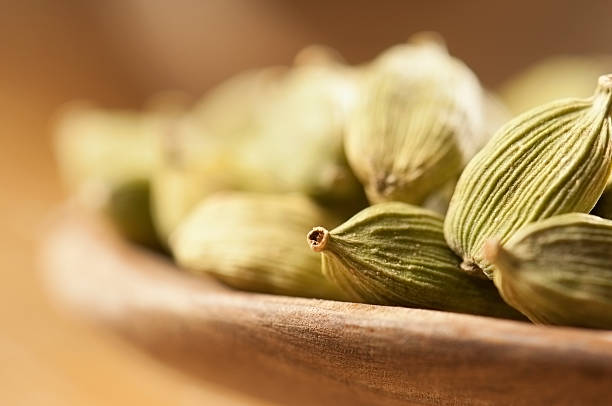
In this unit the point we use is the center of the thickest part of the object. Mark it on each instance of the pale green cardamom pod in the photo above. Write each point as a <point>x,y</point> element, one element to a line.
<point>395,254</point>
<point>551,160</point>
<point>106,147</point>
<point>230,108</point>
<point>198,152</point>
<point>558,270</point>
<point>283,134</point>
<point>129,207</point>
<point>553,78</point>
<point>194,164</point>
<point>298,146</point>
<point>255,242</point>
<point>107,158</point>
<point>419,120</point>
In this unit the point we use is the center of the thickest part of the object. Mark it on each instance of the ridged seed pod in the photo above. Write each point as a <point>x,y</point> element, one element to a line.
<point>553,78</point>
<point>194,164</point>
<point>282,134</point>
<point>298,145</point>
<point>129,208</point>
<point>551,160</point>
<point>419,121</point>
<point>105,146</point>
<point>106,159</point>
<point>558,270</point>
<point>254,242</point>
<point>197,154</point>
<point>395,254</point>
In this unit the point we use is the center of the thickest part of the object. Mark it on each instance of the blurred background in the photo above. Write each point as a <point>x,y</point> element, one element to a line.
<point>117,53</point>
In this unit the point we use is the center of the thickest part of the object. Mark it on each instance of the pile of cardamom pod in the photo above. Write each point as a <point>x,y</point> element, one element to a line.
<point>397,182</point>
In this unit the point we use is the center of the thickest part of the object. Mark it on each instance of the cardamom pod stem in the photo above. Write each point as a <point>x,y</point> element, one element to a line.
<point>558,270</point>
<point>395,254</point>
<point>552,160</point>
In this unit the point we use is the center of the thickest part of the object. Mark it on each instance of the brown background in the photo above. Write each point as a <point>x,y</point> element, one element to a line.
<point>120,52</point>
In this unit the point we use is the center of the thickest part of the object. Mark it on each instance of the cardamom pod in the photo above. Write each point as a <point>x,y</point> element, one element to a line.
<point>284,136</point>
<point>395,254</point>
<point>254,242</point>
<point>194,164</point>
<point>553,78</point>
<point>129,208</point>
<point>198,153</point>
<point>230,109</point>
<point>558,270</point>
<point>106,159</point>
<point>105,146</point>
<point>420,118</point>
<point>552,160</point>
<point>298,146</point>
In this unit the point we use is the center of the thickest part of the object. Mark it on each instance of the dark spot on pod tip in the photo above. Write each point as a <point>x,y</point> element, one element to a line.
<point>317,239</point>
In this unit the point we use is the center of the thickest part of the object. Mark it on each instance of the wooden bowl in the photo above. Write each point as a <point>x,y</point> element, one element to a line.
<point>315,352</point>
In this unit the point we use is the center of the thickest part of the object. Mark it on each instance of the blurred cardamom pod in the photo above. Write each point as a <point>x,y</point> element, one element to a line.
<point>129,207</point>
<point>198,153</point>
<point>551,160</point>
<point>231,108</point>
<point>194,164</point>
<point>553,78</point>
<point>298,144</point>
<point>255,242</point>
<point>419,120</point>
<point>558,270</point>
<point>283,135</point>
<point>106,158</point>
<point>395,254</point>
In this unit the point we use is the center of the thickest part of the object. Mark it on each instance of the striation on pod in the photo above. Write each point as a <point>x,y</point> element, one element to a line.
<point>419,120</point>
<point>558,270</point>
<point>394,254</point>
<point>254,242</point>
<point>551,160</point>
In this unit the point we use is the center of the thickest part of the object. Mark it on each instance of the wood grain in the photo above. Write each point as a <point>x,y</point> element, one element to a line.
<point>303,351</point>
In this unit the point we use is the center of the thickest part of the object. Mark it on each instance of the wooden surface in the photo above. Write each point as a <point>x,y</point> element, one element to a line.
<point>304,351</point>
<point>49,53</point>
<point>55,51</point>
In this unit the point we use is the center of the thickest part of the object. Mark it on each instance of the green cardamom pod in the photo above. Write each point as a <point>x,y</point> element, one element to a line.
<point>553,78</point>
<point>230,108</point>
<point>194,164</point>
<point>558,270</point>
<point>395,254</point>
<point>198,153</point>
<point>129,208</point>
<point>419,120</point>
<point>255,242</point>
<point>106,159</point>
<point>283,135</point>
<point>298,142</point>
<point>552,160</point>
<point>105,146</point>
